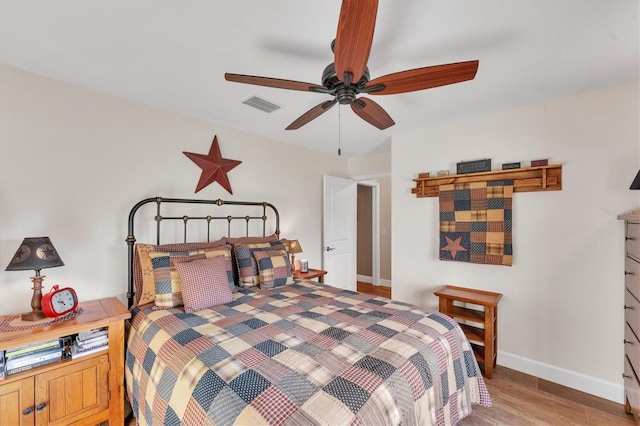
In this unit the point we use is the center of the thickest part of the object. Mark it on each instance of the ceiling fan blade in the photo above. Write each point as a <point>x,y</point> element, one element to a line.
<point>313,113</point>
<point>355,35</point>
<point>423,78</point>
<point>272,82</point>
<point>372,113</point>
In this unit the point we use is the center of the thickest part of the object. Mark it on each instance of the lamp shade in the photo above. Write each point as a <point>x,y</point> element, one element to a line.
<point>35,254</point>
<point>636,182</point>
<point>294,247</point>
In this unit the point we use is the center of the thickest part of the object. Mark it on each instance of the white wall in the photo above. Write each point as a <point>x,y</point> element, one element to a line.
<point>74,161</point>
<point>561,315</point>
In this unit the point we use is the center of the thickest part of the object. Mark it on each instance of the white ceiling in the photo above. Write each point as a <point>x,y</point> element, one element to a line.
<point>173,54</point>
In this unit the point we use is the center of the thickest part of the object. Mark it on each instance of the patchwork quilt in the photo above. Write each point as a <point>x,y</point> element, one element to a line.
<point>301,354</point>
<point>476,222</point>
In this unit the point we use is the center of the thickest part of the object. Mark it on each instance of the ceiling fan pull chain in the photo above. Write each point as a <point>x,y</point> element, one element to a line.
<point>339,127</point>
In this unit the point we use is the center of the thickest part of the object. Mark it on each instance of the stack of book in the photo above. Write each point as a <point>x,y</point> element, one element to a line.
<point>1,365</point>
<point>33,355</point>
<point>89,342</point>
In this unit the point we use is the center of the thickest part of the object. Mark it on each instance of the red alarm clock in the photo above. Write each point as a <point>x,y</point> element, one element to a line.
<point>59,302</point>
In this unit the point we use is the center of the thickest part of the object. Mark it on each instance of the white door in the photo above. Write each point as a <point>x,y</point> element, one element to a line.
<point>339,232</point>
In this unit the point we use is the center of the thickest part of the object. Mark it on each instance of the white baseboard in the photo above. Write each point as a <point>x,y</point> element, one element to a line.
<point>369,280</point>
<point>591,385</point>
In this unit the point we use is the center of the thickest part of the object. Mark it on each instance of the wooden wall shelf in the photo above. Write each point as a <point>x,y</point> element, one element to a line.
<point>541,178</point>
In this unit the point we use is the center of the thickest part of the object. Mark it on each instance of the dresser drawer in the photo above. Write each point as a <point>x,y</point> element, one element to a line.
<point>632,348</point>
<point>632,388</point>
<point>632,312</point>
<point>632,239</point>
<point>632,276</point>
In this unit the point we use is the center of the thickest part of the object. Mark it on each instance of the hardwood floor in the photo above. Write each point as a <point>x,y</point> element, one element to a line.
<point>376,290</point>
<point>520,399</point>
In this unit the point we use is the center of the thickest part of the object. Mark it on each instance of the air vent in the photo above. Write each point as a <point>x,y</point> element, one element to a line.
<point>261,104</point>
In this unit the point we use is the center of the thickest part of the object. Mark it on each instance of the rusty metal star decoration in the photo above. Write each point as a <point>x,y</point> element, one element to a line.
<point>214,167</point>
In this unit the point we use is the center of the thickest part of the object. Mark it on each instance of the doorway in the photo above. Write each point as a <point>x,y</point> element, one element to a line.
<point>373,244</point>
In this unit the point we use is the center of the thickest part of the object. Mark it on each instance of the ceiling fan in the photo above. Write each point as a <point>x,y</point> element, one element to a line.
<point>348,75</point>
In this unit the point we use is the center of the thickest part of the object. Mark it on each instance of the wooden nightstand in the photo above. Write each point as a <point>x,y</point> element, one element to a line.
<point>483,336</point>
<point>311,274</point>
<point>86,390</point>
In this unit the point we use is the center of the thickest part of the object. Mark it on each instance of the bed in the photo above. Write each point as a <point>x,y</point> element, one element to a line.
<point>231,337</point>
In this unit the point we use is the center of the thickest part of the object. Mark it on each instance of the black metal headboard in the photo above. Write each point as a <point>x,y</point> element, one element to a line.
<point>185,219</point>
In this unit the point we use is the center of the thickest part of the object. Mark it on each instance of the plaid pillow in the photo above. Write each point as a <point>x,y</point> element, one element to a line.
<point>275,268</point>
<point>224,251</point>
<point>248,274</point>
<point>168,290</point>
<point>144,285</point>
<point>204,283</point>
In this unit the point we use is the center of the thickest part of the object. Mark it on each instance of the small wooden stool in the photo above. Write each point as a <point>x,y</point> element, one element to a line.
<point>486,353</point>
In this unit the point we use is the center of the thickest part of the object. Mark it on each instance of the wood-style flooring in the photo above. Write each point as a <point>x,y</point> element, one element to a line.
<point>521,399</point>
<point>376,290</point>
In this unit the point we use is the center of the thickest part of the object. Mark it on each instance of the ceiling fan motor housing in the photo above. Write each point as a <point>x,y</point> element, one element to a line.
<point>344,94</point>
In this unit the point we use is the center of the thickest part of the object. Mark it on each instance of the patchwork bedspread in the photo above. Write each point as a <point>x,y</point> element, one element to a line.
<point>301,354</point>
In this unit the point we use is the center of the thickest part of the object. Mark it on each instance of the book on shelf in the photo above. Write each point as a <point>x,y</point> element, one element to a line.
<point>77,352</point>
<point>89,334</point>
<point>93,341</point>
<point>32,347</point>
<point>27,360</point>
<point>2,365</point>
<point>9,371</point>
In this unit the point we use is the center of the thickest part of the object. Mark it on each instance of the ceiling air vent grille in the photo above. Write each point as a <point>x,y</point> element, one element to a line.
<point>261,104</point>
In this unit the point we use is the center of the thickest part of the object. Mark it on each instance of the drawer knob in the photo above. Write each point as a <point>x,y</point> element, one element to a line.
<point>629,238</point>
<point>41,406</point>
<point>624,376</point>
<point>628,307</point>
<point>27,411</point>
<point>627,342</point>
<point>628,273</point>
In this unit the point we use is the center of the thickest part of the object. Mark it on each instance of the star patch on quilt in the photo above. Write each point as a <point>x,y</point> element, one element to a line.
<point>476,222</point>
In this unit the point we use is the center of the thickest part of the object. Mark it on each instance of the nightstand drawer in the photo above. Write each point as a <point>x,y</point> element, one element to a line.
<point>632,276</point>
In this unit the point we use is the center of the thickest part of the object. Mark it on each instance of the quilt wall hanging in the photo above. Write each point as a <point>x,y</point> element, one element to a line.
<point>214,167</point>
<point>476,222</point>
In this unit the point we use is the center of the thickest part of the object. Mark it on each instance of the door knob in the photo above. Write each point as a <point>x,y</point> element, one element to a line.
<point>330,248</point>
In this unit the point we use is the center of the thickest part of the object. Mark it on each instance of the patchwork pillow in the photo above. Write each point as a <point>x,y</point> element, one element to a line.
<point>248,274</point>
<point>204,283</point>
<point>274,267</point>
<point>168,289</point>
<point>224,251</point>
<point>143,283</point>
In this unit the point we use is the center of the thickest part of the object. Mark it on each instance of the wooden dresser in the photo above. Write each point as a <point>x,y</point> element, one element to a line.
<point>631,373</point>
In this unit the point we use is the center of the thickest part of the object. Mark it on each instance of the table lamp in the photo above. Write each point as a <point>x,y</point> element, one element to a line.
<point>35,253</point>
<point>636,182</point>
<point>294,247</point>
